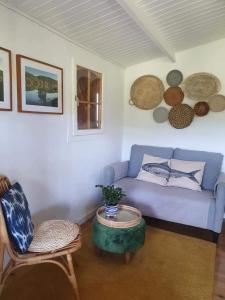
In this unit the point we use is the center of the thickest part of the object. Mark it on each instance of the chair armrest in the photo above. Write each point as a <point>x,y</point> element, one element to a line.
<point>219,192</point>
<point>115,172</point>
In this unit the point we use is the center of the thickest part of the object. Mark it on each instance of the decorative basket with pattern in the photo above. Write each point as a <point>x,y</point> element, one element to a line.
<point>181,116</point>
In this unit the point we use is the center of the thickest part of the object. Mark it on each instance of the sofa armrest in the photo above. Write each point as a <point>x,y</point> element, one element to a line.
<point>219,192</point>
<point>115,172</point>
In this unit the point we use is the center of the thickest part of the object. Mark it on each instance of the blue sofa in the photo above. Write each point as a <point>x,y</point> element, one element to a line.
<point>199,209</point>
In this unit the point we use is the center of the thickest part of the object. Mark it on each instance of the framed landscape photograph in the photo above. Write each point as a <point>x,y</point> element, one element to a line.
<point>5,79</point>
<point>39,86</point>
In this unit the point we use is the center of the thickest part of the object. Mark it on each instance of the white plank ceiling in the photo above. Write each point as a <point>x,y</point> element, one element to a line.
<point>130,31</point>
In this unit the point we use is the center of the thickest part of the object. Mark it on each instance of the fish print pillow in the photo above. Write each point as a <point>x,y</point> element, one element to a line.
<point>186,174</point>
<point>154,169</point>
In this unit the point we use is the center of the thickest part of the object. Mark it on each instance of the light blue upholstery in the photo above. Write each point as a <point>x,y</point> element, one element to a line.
<point>200,209</point>
<point>172,204</point>
<point>115,172</point>
<point>137,153</point>
<point>219,192</point>
<point>212,166</point>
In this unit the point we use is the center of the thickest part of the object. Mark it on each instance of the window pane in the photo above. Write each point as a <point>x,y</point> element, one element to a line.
<point>95,87</point>
<point>82,116</point>
<point>89,99</point>
<point>82,84</point>
<point>95,116</point>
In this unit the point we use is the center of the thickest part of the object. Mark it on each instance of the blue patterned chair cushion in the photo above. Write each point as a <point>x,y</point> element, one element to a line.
<point>17,218</point>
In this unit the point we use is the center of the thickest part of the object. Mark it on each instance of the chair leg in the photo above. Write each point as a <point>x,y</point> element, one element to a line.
<point>1,288</point>
<point>1,266</point>
<point>4,273</point>
<point>72,277</point>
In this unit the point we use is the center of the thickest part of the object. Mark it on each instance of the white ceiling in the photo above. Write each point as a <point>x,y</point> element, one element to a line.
<point>130,31</point>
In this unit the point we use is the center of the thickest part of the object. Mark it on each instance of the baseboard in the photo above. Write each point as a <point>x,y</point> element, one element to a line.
<point>87,216</point>
<point>204,234</point>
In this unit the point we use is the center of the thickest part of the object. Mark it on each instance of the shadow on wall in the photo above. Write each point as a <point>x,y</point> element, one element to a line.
<point>52,212</point>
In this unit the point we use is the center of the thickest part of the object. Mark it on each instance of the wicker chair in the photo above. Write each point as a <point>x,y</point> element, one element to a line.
<point>19,260</point>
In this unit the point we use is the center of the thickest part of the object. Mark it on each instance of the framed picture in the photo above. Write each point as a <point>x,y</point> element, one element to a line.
<point>5,79</point>
<point>39,86</point>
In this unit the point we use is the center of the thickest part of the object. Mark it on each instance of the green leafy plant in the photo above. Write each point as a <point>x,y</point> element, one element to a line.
<point>110,194</point>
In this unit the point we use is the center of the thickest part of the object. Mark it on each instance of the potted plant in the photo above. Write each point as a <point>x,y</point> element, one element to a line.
<point>111,196</point>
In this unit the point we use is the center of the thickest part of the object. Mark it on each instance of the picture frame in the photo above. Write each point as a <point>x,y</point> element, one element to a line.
<point>39,86</point>
<point>5,80</point>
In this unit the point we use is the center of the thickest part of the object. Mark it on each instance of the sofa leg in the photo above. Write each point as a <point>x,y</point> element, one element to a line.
<point>215,237</point>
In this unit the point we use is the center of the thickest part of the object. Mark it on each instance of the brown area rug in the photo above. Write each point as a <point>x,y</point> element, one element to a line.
<point>169,267</point>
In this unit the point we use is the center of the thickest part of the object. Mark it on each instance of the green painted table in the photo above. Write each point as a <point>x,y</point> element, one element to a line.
<point>118,240</point>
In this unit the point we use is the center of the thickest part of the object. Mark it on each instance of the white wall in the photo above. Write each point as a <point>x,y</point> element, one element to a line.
<point>58,177</point>
<point>206,133</point>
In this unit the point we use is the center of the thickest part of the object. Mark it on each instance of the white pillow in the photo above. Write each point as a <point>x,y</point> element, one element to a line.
<point>154,169</point>
<point>186,174</point>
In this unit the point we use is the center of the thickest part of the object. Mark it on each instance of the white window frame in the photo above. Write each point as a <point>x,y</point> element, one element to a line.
<point>85,132</point>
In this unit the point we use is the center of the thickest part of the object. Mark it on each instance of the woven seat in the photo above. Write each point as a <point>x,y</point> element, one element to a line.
<point>53,235</point>
<point>67,242</point>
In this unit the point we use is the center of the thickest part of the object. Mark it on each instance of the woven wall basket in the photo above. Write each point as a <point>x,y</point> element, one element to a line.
<point>160,114</point>
<point>201,86</point>
<point>201,108</point>
<point>174,78</point>
<point>146,92</point>
<point>181,116</point>
<point>173,95</point>
<point>217,103</point>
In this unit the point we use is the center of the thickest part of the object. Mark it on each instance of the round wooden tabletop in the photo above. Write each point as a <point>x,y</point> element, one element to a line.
<point>126,217</point>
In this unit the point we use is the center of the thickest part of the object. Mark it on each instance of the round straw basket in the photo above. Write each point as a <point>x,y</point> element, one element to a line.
<point>146,92</point>
<point>116,222</point>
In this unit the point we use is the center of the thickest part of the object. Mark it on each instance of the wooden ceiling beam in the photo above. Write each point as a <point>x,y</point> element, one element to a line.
<point>148,27</point>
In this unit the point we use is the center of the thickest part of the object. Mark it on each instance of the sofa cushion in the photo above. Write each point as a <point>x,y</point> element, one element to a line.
<point>137,154</point>
<point>186,174</point>
<point>212,166</point>
<point>154,169</point>
<point>170,203</point>
<point>17,218</point>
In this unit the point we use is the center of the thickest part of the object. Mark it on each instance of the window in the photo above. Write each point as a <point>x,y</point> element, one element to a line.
<point>89,99</point>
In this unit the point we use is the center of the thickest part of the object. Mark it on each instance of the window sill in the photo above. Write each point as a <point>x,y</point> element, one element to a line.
<point>87,132</point>
<point>84,135</point>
